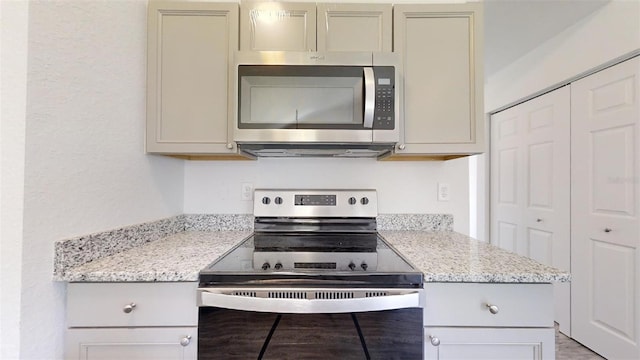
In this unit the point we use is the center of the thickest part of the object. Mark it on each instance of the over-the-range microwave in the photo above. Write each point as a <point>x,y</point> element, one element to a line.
<point>316,104</point>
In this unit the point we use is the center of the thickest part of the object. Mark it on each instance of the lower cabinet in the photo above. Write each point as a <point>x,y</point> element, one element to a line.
<point>134,343</point>
<point>489,321</point>
<point>488,343</point>
<point>132,321</point>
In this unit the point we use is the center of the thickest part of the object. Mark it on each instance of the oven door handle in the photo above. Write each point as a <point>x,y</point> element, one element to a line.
<point>211,298</point>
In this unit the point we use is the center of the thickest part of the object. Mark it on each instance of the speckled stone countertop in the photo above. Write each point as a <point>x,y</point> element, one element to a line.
<point>443,256</point>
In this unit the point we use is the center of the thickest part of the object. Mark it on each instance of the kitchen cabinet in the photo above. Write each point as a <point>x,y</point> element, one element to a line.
<point>488,321</point>
<point>441,46</point>
<point>131,321</point>
<point>355,27</point>
<point>277,26</point>
<point>190,50</point>
<point>284,26</point>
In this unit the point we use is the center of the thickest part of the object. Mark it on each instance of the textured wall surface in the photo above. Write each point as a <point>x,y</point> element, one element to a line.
<point>85,167</point>
<point>13,97</point>
<point>610,32</point>
<point>404,187</point>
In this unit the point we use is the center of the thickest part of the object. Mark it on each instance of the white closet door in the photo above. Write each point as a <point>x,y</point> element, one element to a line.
<point>530,186</point>
<point>605,227</point>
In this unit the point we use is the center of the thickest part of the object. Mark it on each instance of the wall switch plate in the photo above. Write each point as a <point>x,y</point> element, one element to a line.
<point>443,192</point>
<point>247,191</point>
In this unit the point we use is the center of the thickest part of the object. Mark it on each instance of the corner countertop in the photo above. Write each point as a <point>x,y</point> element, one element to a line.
<point>442,256</point>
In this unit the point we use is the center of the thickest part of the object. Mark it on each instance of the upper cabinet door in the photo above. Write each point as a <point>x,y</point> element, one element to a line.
<point>355,27</point>
<point>277,26</point>
<point>190,45</point>
<point>443,78</point>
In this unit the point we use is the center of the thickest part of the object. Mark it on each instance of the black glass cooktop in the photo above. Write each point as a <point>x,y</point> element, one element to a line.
<point>331,260</point>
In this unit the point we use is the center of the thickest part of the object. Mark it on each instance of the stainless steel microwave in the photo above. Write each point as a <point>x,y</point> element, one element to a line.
<point>315,104</point>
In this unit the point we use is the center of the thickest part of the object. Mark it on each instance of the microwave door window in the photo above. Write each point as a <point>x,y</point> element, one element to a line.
<point>295,102</point>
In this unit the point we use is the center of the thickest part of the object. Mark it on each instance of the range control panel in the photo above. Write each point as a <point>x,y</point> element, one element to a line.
<point>315,203</point>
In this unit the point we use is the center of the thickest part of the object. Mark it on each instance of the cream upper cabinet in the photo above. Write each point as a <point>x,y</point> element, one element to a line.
<point>355,27</point>
<point>277,26</point>
<point>441,46</point>
<point>190,45</point>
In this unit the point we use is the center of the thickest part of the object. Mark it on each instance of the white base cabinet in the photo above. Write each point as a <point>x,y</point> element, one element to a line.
<point>488,343</point>
<point>488,321</point>
<point>134,343</point>
<point>132,321</point>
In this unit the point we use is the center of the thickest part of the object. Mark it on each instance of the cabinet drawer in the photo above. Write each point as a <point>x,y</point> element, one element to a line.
<point>465,304</point>
<point>156,304</point>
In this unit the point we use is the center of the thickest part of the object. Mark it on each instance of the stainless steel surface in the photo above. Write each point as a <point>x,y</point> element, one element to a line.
<point>309,300</point>
<point>493,308</point>
<point>434,340</point>
<point>290,261</point>
<point>369,97</point>
<point>254,142</point>
<point>341,208</point>
<point>129,308</point>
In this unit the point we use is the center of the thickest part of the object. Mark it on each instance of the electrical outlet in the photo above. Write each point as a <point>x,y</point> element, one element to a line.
<point>443,192</point>
<point>247,191</point>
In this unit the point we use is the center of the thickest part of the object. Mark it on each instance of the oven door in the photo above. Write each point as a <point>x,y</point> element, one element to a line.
<point>310,324</point>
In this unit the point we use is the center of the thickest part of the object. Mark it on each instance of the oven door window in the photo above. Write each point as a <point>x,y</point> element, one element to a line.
<point>300,97</point>
<point>234,334</point>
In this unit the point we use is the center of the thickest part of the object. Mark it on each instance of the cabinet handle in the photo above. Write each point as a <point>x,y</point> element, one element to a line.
<point>185,340</point>
<point>607,230</point>
<point>434,340</point>
<point>401,147</point>
<point>493,308</point>
<point>538,220</point>
<point>129,308</point>
<point>230,146</point>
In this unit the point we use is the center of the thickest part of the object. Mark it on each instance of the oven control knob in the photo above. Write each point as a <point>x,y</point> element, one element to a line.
<point>266,266</point>
<point>352,201</point>
<point>278,266</point>
<point>352,266</point>
<point>266,200</point>
<point>364,266</point>
<point>364,200</point>
<point>278,200</point>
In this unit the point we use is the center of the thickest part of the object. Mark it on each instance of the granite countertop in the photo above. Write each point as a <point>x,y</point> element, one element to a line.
<point>442,256</point>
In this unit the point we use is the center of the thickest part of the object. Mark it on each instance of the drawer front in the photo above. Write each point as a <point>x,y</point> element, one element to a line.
<point>478,304</point>
<point>132,304</point>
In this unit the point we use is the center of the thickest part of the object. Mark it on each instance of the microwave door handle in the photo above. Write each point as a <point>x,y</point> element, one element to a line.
<point>369,97</point>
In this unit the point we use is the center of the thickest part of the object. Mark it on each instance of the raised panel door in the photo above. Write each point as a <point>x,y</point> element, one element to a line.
<point>529,185</point>
<point>354,27</point>
<point>605,203</point>
<point>488,343</point>
<point>441,48</point>
<point>131,344</point>
<point>190,45</point>
<point>277,26</point>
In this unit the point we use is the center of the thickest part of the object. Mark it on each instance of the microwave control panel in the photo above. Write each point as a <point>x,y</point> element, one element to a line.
<point>384,113</point>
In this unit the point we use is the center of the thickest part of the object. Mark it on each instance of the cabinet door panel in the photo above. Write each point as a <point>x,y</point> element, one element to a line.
<point>273,26</point>
<point>189,49</point>
<point>489,343</point>
<point>132,344</point>
<point>443,77</point>
<point>354,27</point>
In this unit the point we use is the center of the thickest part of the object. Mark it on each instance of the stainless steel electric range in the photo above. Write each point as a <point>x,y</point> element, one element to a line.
<point>315,280</point>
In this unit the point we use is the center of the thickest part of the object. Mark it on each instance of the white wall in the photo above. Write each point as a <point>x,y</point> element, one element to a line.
<point>13,99</point>
<point>85,167</point>
<point>403,186</point>
<point>610,32</point>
